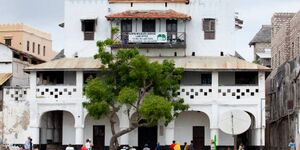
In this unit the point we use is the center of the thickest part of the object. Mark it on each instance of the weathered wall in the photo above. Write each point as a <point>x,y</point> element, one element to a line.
<point>283,101</point>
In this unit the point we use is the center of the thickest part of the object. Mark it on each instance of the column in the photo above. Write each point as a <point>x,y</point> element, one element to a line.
<point>79,82</point>
<point>214,132</point>
<point>78,135</point>
<point>124,124</point>
<point>169,133</point>
<point>35,134</point>
<point>215,84</point>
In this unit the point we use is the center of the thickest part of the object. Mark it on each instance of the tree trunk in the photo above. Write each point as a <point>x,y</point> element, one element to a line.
<point>114,138</point>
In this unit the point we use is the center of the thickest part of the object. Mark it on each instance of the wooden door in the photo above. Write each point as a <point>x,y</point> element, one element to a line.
<point>198,137</point>
<point>126,27</point>
<point>98,137</point>
<point>148,26</point>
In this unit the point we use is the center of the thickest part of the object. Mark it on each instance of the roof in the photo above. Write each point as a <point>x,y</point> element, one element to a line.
<point>23,53</point>
<point>188,63</point>
<point>264,54</point>
<point>149,14</point>
<point>148,1</point>
<point>262,36</point>
<point>4,77</point>
<point>60,55</point>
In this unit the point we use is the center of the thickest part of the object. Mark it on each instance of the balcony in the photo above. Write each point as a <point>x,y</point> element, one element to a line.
<point>150,40</point>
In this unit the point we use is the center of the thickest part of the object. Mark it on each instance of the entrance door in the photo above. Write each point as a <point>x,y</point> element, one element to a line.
<point>148,25</point>
<point>147,135</point>
<point>98,137</point>
<point>198,137</point>
<point>126,27</point>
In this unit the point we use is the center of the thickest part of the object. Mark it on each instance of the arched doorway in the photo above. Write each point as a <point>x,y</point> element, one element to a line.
<point>55,126</point>
<point>193,125</point>
<point>248,137</point>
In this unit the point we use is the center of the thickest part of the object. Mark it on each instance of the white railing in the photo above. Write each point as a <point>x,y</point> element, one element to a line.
<point>58,92</point>
<point>194,93</point>
<point>15,93</point>
<point>238,92</point>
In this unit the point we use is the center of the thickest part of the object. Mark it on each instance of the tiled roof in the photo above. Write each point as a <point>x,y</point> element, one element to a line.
<point>188,63</point>
<point>148,1</point>
<point>150,14</point>
<point>263,36</point>
<point>4,77</point>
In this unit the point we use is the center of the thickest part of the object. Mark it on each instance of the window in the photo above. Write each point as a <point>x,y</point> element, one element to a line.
<point>148,26</point>
<point>28,45</point>
<point>44,51</point>
<point>209,26</point>
<point>39,49</point>
<point>126,26</point>
<point>33,47</point>
<point>8,42</point>
<point>88,27</point>
<point>205,79</point>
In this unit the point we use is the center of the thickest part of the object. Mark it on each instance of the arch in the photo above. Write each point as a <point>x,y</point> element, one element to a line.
<point>54,125</point>
<point>187,122</point>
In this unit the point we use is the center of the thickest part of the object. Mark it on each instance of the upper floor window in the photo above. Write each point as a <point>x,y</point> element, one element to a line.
<point>88,27</point>
<point>44,50</point>
<point>39,49</point>
<point>33,47</point>
<point>148,26</point>
<point>209,28</point>
<point>28,45</point>
<point>8,42</point>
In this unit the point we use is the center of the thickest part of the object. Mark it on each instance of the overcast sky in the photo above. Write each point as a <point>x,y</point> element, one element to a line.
<point>47,14</point>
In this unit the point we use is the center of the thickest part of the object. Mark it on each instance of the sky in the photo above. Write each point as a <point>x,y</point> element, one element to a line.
<point>47,14</point>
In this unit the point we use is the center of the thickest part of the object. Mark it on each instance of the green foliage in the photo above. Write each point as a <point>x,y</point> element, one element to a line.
<point>114,30</point>
<point>147,88</point>
<point>156,108</point>
<point>256,61</point>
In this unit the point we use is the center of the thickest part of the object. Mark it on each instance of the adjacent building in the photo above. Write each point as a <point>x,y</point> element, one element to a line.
<point>27,39</point>
<point>261,43</point>
<point>197,35</point>
<point>285,38</point>
<point>282,86</point>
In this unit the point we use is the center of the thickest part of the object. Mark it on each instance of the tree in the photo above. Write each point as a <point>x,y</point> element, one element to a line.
<point>130,81</point>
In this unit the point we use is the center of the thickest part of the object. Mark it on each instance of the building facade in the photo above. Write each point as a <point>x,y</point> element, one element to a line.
<point>195,34</point>
<point>53,111</point>
<point>28,39</point>
<point>261,43</point>
<point>285,37</point>
<point>190,27</point>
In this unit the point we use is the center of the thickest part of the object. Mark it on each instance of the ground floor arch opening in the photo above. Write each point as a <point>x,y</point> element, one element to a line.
<point>249,137</point>
<point>195,126</point>
<point>56,129</point>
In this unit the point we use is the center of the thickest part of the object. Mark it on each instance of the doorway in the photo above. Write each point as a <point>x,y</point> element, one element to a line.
<point>147,135</point>
<point>98,137</point>
<point>148,26</point>
<point>198,137</point>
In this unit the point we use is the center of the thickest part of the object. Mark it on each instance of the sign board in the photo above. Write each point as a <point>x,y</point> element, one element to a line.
<point>147,37</point>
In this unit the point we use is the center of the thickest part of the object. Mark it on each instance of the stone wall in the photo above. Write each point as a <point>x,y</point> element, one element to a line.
<point>285,43</point>
<point>260,47</point>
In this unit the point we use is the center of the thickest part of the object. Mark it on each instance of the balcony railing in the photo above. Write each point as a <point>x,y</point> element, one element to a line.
<point>58,92</point>
<point>150,40</point>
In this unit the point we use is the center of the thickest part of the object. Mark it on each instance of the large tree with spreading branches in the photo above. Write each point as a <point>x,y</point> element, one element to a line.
<point>132,82</point>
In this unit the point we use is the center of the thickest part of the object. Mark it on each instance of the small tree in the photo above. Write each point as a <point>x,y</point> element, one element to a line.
<point>146,89</point>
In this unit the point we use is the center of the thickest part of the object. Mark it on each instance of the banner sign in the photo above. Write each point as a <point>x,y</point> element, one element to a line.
<point>147,37</point>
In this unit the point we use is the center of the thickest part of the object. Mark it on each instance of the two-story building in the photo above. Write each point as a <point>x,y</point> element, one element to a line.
<point>195,34</point>
<point>51,110</point>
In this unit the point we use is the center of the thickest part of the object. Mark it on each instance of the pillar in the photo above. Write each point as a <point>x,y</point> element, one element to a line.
<point>79,81</point>
<point>78,135</point>
<point>35,134</point>
<point>169,133</point>
<point>215,84</point>
<point>214,132</point>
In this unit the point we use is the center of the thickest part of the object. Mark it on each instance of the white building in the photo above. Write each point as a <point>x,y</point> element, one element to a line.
<point>211,86</point>
<point>193,33</point>
<point>192,27</point>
